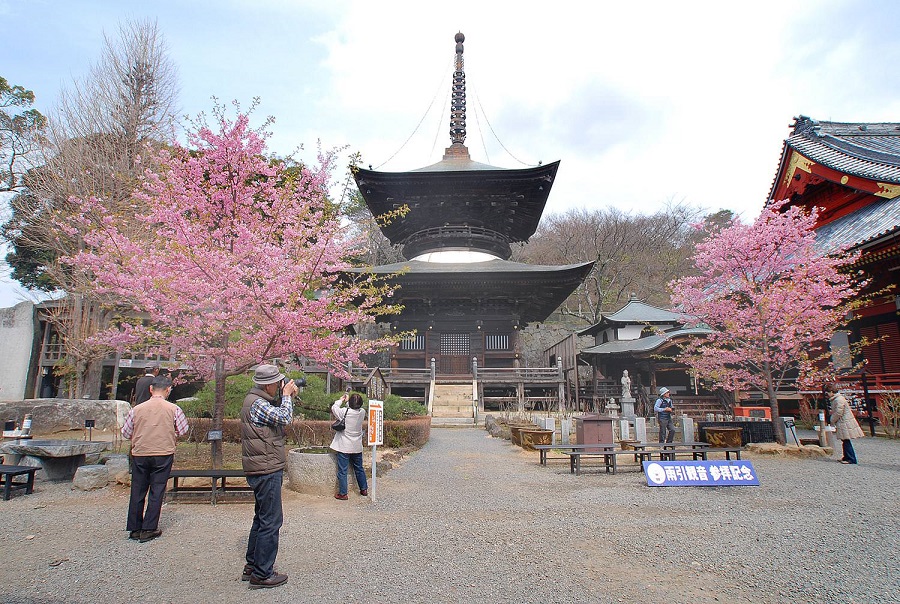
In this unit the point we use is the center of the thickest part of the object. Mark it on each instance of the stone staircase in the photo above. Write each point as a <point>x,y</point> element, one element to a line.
<point>452,405</point>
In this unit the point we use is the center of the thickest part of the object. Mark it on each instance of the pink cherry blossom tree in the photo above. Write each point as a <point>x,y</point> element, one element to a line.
<point>772,299</point>
<point>239,260</point>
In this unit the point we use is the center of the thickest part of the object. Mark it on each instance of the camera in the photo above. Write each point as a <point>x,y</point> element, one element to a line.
<point>299,382</point>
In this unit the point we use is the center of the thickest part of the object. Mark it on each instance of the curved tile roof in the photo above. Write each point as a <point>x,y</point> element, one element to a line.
<point>865,225</point>
<point>645,344</point>
<point>868,150</point>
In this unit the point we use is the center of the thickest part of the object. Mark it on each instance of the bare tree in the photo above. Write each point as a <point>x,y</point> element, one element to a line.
<point>633,253</point>
<point>95,140</point>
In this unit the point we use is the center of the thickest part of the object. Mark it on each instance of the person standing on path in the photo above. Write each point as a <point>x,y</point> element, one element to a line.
<point>142,387</point>
<point>846,426</point>
<point>347,443</point>
<point>663,408</point>
<point>267,409</point>
<point>153,429</point>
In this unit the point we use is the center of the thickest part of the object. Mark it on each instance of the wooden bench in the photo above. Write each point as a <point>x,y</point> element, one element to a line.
<point>7,473</point>
<point>610,458</point>
<point>214,477</point>
<point>726,450</point>
<point>570,447</point>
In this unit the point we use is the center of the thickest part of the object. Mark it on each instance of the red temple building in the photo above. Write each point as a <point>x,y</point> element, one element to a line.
<point>851,172</point>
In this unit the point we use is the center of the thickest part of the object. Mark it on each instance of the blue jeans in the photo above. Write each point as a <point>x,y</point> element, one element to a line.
<point>849,453</point>
<point>262,546</point>
<point>342,461</point>
<point>148,474</point>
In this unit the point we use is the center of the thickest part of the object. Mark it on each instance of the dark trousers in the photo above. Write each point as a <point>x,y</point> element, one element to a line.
<point>666,429</point>
<point>262,546</point>
<point>148,474</point>
<point>849,453</point>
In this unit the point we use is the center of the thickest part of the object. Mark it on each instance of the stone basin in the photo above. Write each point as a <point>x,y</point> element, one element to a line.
<point>58,458</point>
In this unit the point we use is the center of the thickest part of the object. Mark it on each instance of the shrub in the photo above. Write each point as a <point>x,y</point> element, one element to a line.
<point>397,408</point>
<point>889,407</point>
<point>199,426</point>
<point>407,433</point>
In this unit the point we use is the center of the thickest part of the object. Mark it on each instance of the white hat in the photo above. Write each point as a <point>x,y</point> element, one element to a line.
<point>663,391</point>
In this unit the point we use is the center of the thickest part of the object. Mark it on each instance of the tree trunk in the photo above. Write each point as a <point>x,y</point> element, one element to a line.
<point>218,412</point>
<point>777,426</point>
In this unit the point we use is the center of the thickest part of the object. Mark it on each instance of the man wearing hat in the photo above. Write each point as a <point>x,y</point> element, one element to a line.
<point>267,409</point>
<point>663,408</point>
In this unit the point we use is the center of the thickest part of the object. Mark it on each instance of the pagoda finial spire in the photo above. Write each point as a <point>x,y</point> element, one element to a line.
<point>458,99</point>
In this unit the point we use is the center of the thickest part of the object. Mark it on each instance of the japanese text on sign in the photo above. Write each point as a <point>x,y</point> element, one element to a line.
<point>376,423</point>
<point>700,473</point>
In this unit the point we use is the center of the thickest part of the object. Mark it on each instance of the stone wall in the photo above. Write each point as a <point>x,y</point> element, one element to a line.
<point>59,414</point>
<point>17,337</point>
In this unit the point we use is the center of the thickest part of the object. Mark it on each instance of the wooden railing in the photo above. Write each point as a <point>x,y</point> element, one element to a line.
<point>519,374</point>
<point>876,383</point>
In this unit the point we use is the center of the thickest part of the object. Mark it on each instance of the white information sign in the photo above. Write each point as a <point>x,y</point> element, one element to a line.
<point>376,423</point>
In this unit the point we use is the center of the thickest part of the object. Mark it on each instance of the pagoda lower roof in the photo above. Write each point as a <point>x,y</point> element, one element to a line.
<point>534,291</point>
<point>459,192</point>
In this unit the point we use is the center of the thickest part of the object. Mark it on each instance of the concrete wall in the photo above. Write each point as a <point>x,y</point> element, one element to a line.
<point>17,338</point>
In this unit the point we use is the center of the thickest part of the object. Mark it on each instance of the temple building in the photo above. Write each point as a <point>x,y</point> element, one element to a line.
<point>644,339</point>
<point>851,172</point>
<point>464,300</point>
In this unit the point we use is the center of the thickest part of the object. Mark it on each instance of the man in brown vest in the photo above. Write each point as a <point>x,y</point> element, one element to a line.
<point>267,409</point>
<point>153,428</point>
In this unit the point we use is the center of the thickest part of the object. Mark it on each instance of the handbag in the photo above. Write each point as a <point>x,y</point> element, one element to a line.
<point>340,424</point>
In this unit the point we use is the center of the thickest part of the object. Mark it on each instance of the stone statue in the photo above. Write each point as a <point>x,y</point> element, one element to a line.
<point>626,385</point>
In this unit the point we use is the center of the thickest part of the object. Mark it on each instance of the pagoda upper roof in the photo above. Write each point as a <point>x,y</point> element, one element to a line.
<point>535,290</point>
<point>459,192</point>
<point>646,344</point>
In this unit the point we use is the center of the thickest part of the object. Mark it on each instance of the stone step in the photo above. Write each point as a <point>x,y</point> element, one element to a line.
<point>451,412</point>
<point>452,422</point>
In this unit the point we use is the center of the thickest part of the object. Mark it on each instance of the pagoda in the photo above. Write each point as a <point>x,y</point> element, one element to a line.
<point>463,299</point>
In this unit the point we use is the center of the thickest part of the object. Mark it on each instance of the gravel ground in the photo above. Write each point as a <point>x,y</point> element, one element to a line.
<point>470,518</point>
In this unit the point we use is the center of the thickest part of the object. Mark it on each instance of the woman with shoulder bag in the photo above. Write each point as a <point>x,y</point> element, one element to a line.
<point>347,443</point>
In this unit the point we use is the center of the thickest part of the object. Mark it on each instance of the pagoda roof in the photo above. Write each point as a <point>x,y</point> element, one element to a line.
<point>646,344</point>
<point>459,192</point>
<point>535,290</point>
<point>636,312</point>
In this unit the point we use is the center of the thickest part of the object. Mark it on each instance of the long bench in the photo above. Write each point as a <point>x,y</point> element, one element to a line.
<point>571,447</point>
<point>7,473</point>
<point>214,477</point>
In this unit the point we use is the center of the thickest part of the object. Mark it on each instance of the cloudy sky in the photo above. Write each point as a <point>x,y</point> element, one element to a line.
<point>644,102</point>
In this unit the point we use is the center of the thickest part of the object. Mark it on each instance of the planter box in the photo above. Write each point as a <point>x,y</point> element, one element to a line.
<point>529,438</point>
<point>724,437</point>
<point>515,430</point>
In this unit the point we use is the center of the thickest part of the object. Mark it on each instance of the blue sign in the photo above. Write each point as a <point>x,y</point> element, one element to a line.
<point>700,474</point>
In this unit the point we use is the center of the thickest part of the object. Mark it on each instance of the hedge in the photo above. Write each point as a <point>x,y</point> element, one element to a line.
<point>398,434</point>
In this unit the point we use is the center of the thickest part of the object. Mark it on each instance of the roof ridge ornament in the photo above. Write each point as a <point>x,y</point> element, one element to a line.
<point>458,96</point>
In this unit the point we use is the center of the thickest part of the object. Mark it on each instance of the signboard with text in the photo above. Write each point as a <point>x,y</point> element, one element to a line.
<point>376,423</point>
<point>700,473</point>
